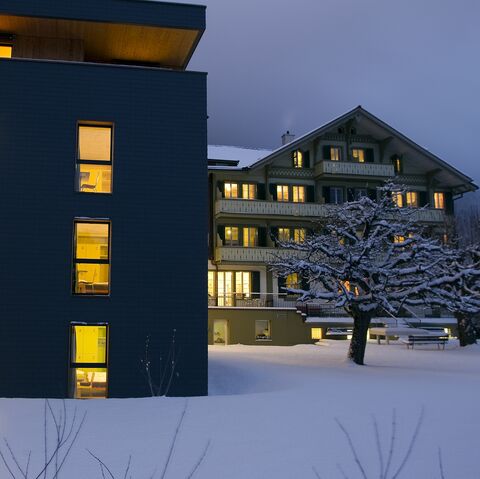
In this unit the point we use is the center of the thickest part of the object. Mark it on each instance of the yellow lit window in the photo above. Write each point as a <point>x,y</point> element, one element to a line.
<point>6,51</point>
<point>231,190</point>
<point>263,330</point>
<point>412,199</point>
<point>358,155</point>
<point>211,284</point>
<point>94,159</point>
<point>299,235</point>
<point>225,285</point>
<point>439,200</point>
<point>397,164</point>
<point>297,159</point>
<point>282,193</point>
<point>335,153</point>
<point>243,287</point>
<point>283,234</point>
<point>317,333</point>
<point>231,235</point>
<point>298,194</point>
<point>292,281</point>
<point>397,198</point>
<point>250,236</point>
<point>91,260</point>
<point>88,361</point>
<point>398,239</point>
<point>249,191</point>
<point>349,287</point>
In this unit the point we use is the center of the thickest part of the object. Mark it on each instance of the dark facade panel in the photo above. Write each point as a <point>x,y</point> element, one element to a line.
<point>158,213</point>
<point>141,12</point>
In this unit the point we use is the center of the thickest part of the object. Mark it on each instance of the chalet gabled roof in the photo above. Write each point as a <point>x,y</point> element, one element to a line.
<point>464,180</point>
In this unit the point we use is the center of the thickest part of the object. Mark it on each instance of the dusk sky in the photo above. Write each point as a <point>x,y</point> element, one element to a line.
<point>275,65</point>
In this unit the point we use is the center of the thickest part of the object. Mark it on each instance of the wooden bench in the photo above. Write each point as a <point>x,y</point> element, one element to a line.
<point>413,340</point>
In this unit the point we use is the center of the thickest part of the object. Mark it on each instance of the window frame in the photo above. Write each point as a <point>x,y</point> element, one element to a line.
<point>231,241</point>
<point>79,161</point>
<point>283,187</point>
<point>409,195</point>
<point>364,155</point>
<point>438,195</point>
<point>340,189</point>
<point>248,186</point>
<point>72,365</point>
<point>231,183</point>
<point>76,260</point>
<point>269,321</point>
<point>298,160</point>
<point>246,231</point>
<point>332,150</point>
<point>7,45</point>
<point>299,188</point>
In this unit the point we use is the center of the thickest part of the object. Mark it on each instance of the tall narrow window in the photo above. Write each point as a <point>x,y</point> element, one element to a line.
<point>225,287</point>
<point>88,361</point>
<point>412,199</point>
<point>298,159</point>
<point>231,236</point>
<point>94,159</point>
<point>263,330</point>
<point>397,198</point>
<point>335,153</point>
<point>6,51</point>
<point>298,194</point>
<point>282,193</point>
<point>397,164</point>
<point>243,287</point>
<point>283,235</point>
<point>292,281</point>
<point>336,195</point>
<point>299,235</point>
<point>249,191</point>
<point>231,190</point>
<point>439,200</point>
<point>358,155</point>
<point>91,257</point>
<point>250,237</point>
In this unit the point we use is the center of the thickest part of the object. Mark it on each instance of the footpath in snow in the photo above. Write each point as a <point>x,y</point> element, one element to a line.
<point>271,414</point>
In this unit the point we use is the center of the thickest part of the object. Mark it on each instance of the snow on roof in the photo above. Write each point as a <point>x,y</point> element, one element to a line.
<point>237,157</point>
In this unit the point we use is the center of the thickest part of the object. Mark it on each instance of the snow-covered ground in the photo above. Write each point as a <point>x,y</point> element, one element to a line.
<point>271,414</point>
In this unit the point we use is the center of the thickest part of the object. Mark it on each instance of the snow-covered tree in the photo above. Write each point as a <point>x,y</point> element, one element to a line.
<point>456,287</point>
<point>369,257</point>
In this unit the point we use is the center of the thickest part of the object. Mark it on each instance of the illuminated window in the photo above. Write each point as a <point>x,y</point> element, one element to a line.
<point>335,153</point>
<point>88,361</point>
<point>412,199</point>
<point>225,285</point>
<point>243,284</point>
<point>292,281</point>
<point>249,191</point>
<point>6,51</point>
<point>94,159</point>
<point>231,190</point>
<point>282,193</point>
<point>250,237</point>
<point>397,164</point>
<point>350,287</point>
<point>317,333</point>
<point>231,236</point>
<point>439,200</point>
<point>298,194</point>
<point>299,235</point>
<point>283,235</point>
<point>397,198</point>
<point>398,239</point>
<point>91,258</point>
<point>211,284</point>
<point>298,159</point>
<point>358,155</point>
<point>263,330</point>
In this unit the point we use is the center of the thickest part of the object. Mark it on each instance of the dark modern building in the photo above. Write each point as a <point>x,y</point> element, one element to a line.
<point>102,198</point>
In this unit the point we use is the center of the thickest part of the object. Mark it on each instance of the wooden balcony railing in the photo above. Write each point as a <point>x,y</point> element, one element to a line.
<point>378,170</point>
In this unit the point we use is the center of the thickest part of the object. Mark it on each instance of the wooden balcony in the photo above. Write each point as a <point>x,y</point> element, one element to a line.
<point>271,208</point>
<point>348,168</point>
<point>238,254</point>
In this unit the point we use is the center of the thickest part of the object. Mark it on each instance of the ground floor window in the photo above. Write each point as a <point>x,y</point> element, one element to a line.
<point>88,361</point>
<point>317,333</point>
<point>263,330</point>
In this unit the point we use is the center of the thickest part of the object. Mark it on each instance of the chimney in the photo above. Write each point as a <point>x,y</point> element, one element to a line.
<point>287,138</point>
